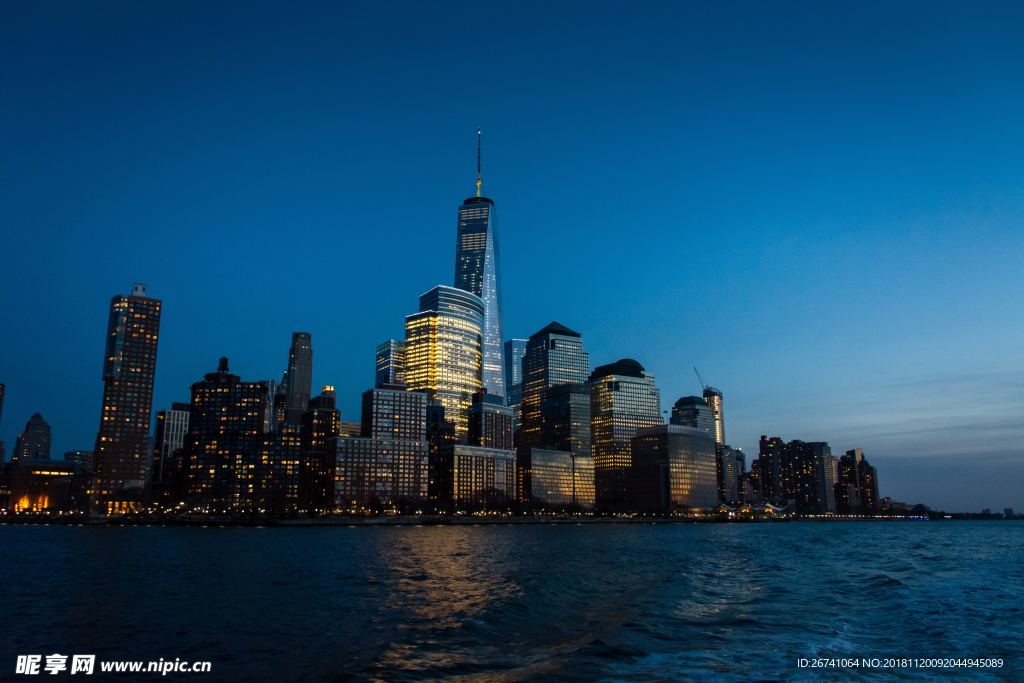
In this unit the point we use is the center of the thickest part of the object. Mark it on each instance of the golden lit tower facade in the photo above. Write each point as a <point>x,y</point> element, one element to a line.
<point>713,397</point>
<point>623,399</point>
<point>122,453</point>
<point>444,351</point>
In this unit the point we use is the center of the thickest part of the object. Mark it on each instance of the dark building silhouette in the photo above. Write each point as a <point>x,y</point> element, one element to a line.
<point>298,378</point>
<point>83,459</point>
<point>769,470</point>
<point>34,441</point>
<point>623,399</point>
<point>477,272</point>
<point>856,488</point>
<point>319,424</point>
<point>225,426</point>
<point>693,412</point>
<point>122,454</point>
<point>171,428</point>
<point>46,486</point>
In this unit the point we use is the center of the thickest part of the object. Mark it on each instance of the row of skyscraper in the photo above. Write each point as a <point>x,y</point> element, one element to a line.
<point>457,420</point>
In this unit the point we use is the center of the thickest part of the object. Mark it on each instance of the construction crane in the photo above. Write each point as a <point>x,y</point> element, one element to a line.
<point>699,378</point>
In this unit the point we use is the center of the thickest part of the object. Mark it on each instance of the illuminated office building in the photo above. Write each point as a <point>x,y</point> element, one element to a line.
<point>390,365</point>
<point>558,480</point>
<point>225,427</point>
<point>674,469</point>
<point>122,456</point>
<point>443,351</point>
<point>280,471</point>
<point>554,355</point>
<point>34,441</point>
<point>623,399</point>
<point>476,271</point>
<point>713,397</point>
<point>298,378</point>
<point>694,412</point>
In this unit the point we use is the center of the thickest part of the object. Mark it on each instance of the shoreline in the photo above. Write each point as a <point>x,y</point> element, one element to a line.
<point>375,521</point>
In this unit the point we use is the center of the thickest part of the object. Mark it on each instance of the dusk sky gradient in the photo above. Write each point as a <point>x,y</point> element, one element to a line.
<point>821,205</point>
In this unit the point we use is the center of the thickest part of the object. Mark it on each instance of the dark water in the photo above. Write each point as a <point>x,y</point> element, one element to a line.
<point>598,602</point>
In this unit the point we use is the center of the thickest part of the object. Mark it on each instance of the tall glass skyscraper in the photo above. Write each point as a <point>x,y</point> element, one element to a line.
<point>298,378</point>
<point>443,353</point>
<point>476,271</point>
<point>554,355</point>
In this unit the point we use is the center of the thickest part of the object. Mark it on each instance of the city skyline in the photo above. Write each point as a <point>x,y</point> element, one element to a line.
<point>891,376</point>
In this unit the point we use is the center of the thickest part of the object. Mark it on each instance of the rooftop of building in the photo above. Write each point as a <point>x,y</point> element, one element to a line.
<point>625,367</point>
<point>555,327</point>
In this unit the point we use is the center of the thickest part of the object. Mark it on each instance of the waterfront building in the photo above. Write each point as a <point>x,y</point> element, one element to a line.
<point>318,425</point>
<point>769,470</point>
<point>477,272</point>
<point>673,469</point>
<point>557,480</point>
<point>298,378</point>
<point>121,456</point>
<point>225,425</point>
<point>693,412</point>
<point>387,466</point>
<point>623,399</point>
<point>171,428</point>
<point>856,488</point>
<point>476,479</point>
<point>280,471</point>
<point>34,441</point>
<point>44,485</point>
<point>713,397</point>
<point>490,422</point>
<point>731,463</point>
<point>390,364</point>
<point>443,351</point>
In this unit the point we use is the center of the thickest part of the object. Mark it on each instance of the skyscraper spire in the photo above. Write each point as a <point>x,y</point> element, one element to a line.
<point>479,181</point>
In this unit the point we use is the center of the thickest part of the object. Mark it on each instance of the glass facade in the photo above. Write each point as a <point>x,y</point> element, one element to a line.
<point>481,478</point>
<point>443,351</point>
<point>560,480</point>
<point>390,365</point>
<point>623,399</point>
<point>554,355</point>
<point>674,469</point>
<point>476,271</point>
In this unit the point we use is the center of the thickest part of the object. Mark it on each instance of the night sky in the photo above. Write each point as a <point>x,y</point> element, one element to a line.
<point>819,205</point>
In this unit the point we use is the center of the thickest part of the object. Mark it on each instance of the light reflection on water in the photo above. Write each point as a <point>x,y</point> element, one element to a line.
<point>515,602</point>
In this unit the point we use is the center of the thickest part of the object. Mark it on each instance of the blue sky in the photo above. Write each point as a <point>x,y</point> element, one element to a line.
<point>820,206</point>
